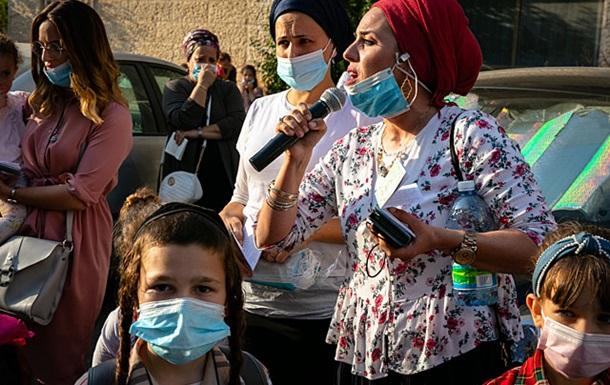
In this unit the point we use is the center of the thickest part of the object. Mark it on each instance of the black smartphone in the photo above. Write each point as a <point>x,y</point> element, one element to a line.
<point>396,233</point>
<point>10,168</point>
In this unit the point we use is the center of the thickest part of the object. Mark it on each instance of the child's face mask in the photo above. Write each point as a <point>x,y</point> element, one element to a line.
<point>572,353</point>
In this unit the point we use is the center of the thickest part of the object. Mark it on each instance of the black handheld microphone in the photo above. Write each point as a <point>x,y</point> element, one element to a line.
<point>331,100</point>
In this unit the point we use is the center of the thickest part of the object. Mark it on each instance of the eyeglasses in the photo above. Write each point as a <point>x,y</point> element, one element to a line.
<point>53,48</point>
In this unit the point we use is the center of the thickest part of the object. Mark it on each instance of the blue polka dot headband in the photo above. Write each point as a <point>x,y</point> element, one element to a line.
<point>577,244</point>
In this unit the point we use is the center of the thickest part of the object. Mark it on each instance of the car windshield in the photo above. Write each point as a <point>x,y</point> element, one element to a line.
<point>564,137</point>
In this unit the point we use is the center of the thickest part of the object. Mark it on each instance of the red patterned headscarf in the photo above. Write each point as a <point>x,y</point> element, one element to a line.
<point>444,52</point>
<point>198,37</point>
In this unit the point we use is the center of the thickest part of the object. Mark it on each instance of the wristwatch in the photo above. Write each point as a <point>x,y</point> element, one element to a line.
<point>466,252</point>
<point>200,132</point>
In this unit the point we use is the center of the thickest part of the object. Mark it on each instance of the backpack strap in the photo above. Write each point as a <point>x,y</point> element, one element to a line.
<point>252,370</point>
<point>454,157</point>
<point>102,374</point>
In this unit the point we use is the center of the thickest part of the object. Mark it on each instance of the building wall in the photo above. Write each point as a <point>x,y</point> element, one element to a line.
<point>157,27</point>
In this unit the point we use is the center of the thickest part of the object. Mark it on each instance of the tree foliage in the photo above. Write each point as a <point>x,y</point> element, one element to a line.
<point>266,49</point>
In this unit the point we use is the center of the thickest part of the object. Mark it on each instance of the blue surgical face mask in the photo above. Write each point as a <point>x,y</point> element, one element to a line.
<point>380,95</point>
<point>303,72</point>
<point>60,75</point>
<point>197,70</point>
<point>180,330</point>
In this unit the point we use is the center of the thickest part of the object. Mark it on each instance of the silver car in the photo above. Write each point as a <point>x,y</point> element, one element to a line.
<point>142,81</point>
<point>560,116</point>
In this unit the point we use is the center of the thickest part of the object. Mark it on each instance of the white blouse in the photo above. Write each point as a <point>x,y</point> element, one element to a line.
<point>405,319</point>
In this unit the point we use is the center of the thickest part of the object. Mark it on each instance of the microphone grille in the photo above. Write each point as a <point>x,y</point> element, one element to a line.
<point>334,98</point>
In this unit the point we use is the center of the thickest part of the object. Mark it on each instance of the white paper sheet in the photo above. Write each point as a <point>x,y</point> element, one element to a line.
<point>248,247</point>
<point>174,149</point>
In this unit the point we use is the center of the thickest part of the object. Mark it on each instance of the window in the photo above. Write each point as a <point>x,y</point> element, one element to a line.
<point>163,75</point>
<point>133,90</point>
<point>524,33</point>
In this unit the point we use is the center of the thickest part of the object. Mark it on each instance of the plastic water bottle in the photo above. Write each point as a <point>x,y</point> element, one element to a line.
<point>471,286</point>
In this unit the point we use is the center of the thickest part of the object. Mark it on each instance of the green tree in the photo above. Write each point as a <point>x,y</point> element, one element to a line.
<point>3,16</point>
<point>266,49</point>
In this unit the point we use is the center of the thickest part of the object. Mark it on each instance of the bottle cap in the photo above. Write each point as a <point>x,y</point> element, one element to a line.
<point>466,185</point>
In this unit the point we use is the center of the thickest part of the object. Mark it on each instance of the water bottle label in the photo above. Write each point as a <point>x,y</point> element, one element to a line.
<point>468,278</point>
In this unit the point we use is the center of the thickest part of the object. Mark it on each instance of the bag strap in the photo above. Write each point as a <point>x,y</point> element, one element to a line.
<point>102,374</point>
<point>205,142</point>
<point>454,157</point>
<point>70,213</point>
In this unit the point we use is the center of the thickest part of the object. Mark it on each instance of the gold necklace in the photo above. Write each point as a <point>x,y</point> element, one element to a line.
<point>384,169</point>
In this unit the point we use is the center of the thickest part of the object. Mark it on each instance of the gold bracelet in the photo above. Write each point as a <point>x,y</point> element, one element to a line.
<point>281,194</point>
<point>279,206</point>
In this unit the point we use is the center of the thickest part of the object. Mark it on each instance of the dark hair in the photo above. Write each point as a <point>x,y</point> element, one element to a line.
<point>224,56</point>
<point>190,226</point>
<point>136,208</point>
<point>95,74</point>
<point>9,48</point>
<point>251,68</point>
<point>565,280</point>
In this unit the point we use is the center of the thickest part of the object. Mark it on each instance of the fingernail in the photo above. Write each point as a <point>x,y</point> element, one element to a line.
<point>313,124</point>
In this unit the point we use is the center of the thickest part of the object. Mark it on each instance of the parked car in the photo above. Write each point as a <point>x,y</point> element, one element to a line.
<point>142,81</point>
<point>560,116</point>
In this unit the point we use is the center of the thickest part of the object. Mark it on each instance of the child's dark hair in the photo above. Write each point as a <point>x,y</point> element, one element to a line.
<point>9,48</point>
<point>224,56</point>
<point>136,208</point>
<point>181,228</point>
<point>564,281</point>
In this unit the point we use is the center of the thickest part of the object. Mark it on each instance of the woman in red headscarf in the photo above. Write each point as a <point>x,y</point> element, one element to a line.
<point>397,320</point>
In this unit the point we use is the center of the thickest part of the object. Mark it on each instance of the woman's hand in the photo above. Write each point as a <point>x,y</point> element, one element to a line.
<point>426,238</point>
<point>189,134</point>
<point>206,77</point>
<point>233,217</point>
<point>300,124</point>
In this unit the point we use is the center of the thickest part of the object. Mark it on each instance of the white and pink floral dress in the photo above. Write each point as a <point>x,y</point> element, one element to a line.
<point>405,319</point>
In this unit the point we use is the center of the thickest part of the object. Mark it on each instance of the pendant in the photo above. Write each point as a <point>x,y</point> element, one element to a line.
<point>383,171</point>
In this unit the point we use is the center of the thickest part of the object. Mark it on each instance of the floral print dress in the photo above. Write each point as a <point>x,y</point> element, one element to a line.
<point>404,319</point>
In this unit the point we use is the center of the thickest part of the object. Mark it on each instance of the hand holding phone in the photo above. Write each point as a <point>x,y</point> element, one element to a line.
<point>393,231</point>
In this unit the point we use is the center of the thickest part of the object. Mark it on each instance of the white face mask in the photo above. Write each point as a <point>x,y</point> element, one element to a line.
<point>572,353</point>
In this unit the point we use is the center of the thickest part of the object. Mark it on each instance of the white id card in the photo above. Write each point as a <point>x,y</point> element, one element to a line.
<point>385,186</point>
<point>405,197</point>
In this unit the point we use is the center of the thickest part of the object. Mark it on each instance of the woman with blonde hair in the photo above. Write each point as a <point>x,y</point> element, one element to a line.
<point>75,141</point>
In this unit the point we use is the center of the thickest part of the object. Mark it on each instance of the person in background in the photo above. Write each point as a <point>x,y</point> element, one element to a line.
<point>180,297</point>
<point>75,141</point>
<point>137,207</point>
<point>396,320</point>
<point>249,86</point>
<point>286,327</point>
<point>228,70</point>
<point>13,112</point>
<point>571,306</point>
<point>209,112</point>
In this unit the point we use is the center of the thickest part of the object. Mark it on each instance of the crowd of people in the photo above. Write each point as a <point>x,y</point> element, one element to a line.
<point>277,275</point>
